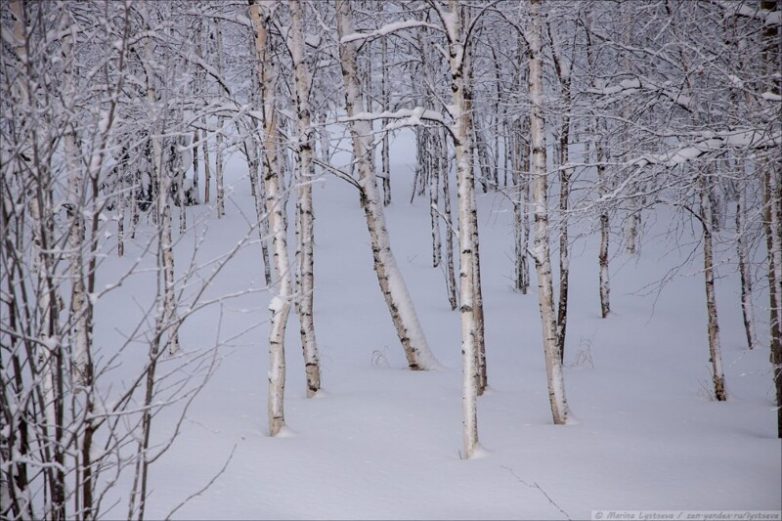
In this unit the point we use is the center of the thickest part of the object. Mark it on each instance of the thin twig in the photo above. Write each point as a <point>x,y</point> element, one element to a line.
<point>540,489</point>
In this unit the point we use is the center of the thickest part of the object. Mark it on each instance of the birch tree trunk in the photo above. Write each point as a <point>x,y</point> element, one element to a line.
<point>258,189</point>
<point>49,350</point>
<point>433,158</point>
<point>541,252</point>
<point>260,15</point>
<point>220,128</point>
<point>166,259</point>
<point>207,168</point>
<point>477,293</point>
<point>305,223</point>
<point>465,180</point>
<point>76,232</point>
<point>521,179</point>
<point>715,355</point>
<point>771,230</point>
<point>772,211</point>
<point>386,142</point>
<point>389,277</point>
<point>602,185</point>
<point>518,205</point>
<point>605,289</point>
<point>450,272</point>
<point>744,271</point>
<point>565,173</point>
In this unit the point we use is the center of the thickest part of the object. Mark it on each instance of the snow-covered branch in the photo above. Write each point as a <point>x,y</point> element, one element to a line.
<point>636,85</point>
<point>387,29</point>
<point>712,142</point>
<point>411,117</point>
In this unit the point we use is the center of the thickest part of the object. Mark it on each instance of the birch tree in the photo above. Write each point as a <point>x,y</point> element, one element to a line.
<point>541,250</point>
<point>260,14</point>
<point>305,217</point>
<point>389,277</point>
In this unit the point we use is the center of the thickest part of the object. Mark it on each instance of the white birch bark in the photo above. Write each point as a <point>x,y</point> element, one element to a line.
<point>450,272</point>
<point>715,355</point>
<point>465,179</point>
<point>541,250</point>
<point>392,284</point>
<point>477,304</point>
<point>306,218</point>
<point>385,153</point>
<point>605,289</point>
<point>167,247</point>
<point>633,222</point>
<point>220,128</point>
<point>163,213</point>
<point>76,232</point>
<point>260,13</point>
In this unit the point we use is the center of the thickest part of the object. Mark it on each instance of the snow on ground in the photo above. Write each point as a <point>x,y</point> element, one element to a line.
<point>383,442</point>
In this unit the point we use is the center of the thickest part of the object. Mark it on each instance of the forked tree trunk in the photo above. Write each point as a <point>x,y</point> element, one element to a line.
<point>389,277</point>
<point>280,304</point>
<point>305,276</point>
<point>541,251</point>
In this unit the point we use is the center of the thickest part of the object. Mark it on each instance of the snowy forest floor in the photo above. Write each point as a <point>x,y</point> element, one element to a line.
<point>383,442</point>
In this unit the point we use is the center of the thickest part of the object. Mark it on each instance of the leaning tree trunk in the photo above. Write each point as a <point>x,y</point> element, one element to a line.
<point>541,252</point>
<point>281,302</point>
<point>305,277</point>
<point>389,276</point>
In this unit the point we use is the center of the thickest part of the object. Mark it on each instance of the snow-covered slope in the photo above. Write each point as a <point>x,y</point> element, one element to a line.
<point>383,442</point>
